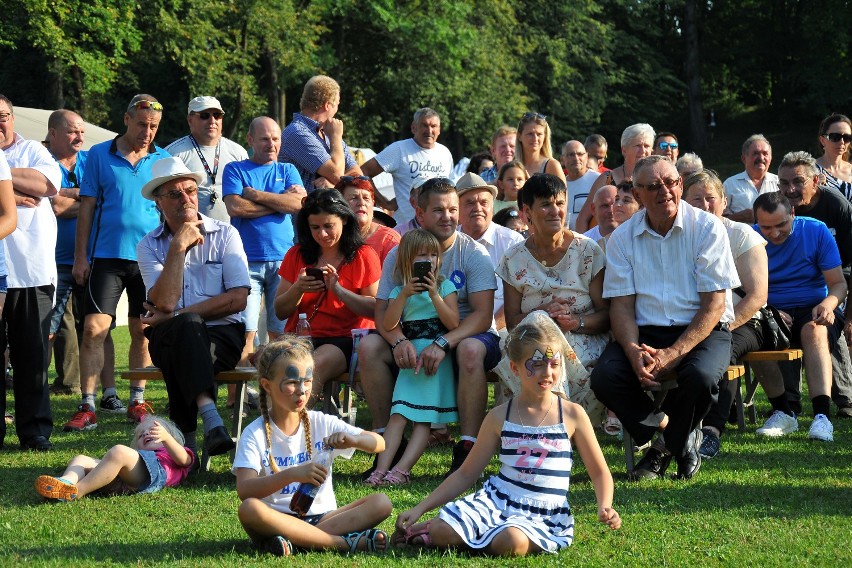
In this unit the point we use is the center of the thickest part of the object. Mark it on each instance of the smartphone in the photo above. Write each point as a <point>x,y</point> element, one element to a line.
<point>421,268</point>
<point>316,273</point>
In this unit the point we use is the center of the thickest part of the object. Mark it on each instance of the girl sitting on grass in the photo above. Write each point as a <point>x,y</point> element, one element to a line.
<point>426,307</point>
<point>274,457</point>
<point>524,509</point>
<point>156,459</point>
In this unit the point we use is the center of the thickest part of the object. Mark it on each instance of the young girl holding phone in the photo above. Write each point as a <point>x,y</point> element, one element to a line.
<point>426,307</point>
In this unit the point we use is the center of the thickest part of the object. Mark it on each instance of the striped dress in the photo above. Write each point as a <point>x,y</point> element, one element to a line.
<point>530,493</point>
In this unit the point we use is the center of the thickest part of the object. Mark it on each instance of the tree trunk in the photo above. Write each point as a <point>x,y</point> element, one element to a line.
<point>54,95</point>
<point>697,126</point>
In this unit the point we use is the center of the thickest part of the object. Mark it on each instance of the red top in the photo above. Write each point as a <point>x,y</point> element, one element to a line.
<point>383,240</point>
<point>333,318</point>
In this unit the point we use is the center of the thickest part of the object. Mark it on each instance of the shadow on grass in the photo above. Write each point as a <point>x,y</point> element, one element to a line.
<point>144,552</point>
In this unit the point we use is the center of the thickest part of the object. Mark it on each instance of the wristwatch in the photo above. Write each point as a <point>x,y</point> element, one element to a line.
<point>582,323</point>
<point>442,342</point>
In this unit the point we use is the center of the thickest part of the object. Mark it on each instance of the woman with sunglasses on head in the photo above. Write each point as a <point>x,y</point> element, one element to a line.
<point>343,298</point>
<point>835,137</point>
<point>637,142</point>
<point>532,146</point>
<point>358,193</point>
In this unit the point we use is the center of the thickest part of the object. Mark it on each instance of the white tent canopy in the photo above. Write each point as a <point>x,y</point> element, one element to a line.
<point>31,123</point>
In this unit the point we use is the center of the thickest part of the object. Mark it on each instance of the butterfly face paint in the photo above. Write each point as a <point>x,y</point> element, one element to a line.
<point>293,382</point>
<point>548,357</point>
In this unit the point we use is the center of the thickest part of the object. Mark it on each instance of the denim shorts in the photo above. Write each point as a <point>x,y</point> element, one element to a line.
<point>156,473</point>
<point>3,287</point>
<point>264,284</point>
<point>64,285</point>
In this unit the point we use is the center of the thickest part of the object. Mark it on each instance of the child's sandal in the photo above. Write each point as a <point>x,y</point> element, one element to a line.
<point>277,546</point>
<point>397,477</point>
<point>55,488</point>
<point>376,479</point>
<point>407,538</point>
<point>370,537</point>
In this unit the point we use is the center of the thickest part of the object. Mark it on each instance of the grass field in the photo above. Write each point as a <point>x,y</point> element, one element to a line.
<point>761,503</point>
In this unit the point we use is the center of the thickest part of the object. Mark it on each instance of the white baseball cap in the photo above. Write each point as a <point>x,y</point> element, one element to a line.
<point>203,103</point>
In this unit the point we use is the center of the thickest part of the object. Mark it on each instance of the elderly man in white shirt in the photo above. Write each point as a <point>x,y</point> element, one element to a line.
<point>743,188</point>
<point>669,278</point>
<point>31,280</point>
<point>476,211</point>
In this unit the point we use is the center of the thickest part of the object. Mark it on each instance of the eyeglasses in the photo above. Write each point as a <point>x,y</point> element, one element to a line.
<point>350,179</point>
<point>531,115</point>
<point>665,145</point>
<point>5,116</point>
<point>323,200</point>
<point>146,105</point>
<point>799,182</point>
<point>72,178</point>
<point>837,137</point>
<point>217,114</point>
<point>175,194</point>
<point>658,185</point>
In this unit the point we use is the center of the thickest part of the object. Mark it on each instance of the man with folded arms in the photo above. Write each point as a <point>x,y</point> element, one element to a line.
<point>806,281</point>
<point>669,277</point>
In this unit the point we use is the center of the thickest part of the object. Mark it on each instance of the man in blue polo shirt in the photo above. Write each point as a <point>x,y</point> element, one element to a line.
<point>262,195</point>
<point>313,141</point>
<point>806,281</point>
<point>112,219</point>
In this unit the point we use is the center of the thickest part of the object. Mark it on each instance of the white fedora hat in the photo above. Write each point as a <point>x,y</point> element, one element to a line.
<point>167,169</point>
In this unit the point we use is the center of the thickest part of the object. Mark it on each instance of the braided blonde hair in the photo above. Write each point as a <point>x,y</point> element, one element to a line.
<point>287,346</point>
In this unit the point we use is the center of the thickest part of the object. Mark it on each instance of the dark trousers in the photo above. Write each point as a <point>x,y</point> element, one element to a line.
<point>615,384</point>
<point>189,354</point>
<point>747,337</point>
<point>25,327</point>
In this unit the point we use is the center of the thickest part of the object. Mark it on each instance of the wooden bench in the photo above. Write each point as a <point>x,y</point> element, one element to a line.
<point>733,373</point>
<point>751,382</point>
<point>239,376</point>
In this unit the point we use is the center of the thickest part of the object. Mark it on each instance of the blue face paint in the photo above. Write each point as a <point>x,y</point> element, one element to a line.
<point>539,357</point>
<point>292,381</point>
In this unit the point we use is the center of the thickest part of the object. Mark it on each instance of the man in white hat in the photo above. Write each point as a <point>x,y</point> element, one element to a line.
<point>476,211</point>
<point>205,149</point>
<point>197,282</point>
<point>112,218</point>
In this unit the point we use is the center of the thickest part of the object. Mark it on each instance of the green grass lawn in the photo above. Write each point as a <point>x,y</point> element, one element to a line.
<point>761,503</point>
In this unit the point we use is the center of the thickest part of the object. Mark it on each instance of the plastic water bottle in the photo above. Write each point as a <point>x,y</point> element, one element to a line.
<point>303,327</point>
<point>307,492</point>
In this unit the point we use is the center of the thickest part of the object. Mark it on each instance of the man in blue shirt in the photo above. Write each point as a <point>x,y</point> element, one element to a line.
<point>262,195</point>
<point>113,217</point>
<point>806,281</point>
<point>313,141</point>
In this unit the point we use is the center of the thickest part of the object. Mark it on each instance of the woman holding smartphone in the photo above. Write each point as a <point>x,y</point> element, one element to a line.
<point>332,277</point>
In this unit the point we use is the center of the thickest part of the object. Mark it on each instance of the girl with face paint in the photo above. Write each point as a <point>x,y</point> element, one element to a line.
<point>524,509</point>
<point>274,457</point>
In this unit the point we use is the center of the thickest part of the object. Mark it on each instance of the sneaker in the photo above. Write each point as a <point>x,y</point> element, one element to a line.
<point>113,405</point>
<point>138,410</point>
<point>83,419</point>
<point>779,424</point>
<point>460,453</point>
<point>55,488</point>
<point>711,445</point>
<point>821,429</point>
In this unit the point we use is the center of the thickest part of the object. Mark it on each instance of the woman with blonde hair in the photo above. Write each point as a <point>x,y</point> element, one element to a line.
<point>533,146</point>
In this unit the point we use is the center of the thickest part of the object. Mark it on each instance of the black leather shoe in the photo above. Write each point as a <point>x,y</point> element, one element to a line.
<point>37,443</point>
<point>652,466</point>
<point>218,441</point>
<point>689,463</point>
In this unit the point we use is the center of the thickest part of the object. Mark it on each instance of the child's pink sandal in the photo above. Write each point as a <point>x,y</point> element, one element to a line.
<point>376,479</point>
<point>403,539</point>
<point>397,477</point>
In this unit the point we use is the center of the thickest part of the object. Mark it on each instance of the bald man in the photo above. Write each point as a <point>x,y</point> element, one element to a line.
<point>580,178</point>
<point>262,195</point>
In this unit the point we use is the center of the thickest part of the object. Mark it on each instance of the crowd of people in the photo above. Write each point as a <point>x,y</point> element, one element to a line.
<point>580,287</point>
